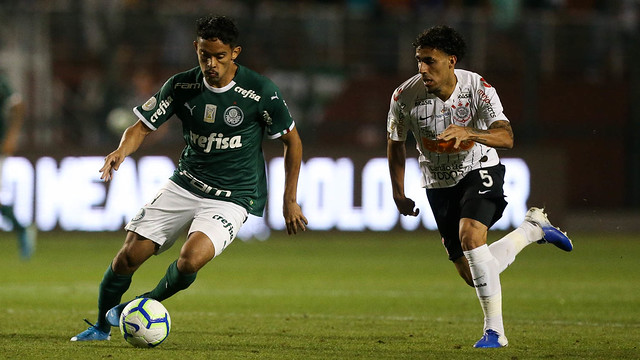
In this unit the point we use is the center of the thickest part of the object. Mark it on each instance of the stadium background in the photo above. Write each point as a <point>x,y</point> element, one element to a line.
<point>564,70</point>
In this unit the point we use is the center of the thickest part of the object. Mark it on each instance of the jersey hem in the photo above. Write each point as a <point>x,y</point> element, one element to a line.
<point>283,132</point>
<point>143,119</point>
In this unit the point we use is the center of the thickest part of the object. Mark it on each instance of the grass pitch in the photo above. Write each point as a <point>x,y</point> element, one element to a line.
<point>331,296</point>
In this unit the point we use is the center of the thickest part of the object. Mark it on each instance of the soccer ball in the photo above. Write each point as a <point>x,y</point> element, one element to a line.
<point>145,323</point>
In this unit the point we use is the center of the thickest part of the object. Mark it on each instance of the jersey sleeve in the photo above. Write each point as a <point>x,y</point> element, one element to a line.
<point>490,108</point>
<point>396,127</point>
<point>5,89</point>
<point>275,112</point>
<point>159,108</point>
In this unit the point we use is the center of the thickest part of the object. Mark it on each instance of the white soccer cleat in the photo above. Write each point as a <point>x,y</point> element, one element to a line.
<point>551,234</point>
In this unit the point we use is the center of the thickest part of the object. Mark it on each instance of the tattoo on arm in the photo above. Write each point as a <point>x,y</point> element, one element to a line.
<point>477,134</point>
<point>483,136</point>
<point>501,124</point>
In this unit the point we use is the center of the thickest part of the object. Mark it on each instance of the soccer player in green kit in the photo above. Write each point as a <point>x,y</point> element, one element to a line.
<point>225,109</point>
<point>12,109</point>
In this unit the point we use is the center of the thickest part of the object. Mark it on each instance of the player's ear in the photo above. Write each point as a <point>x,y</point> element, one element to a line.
<point>453,60</point>
<point>195,45</point>
<point>235,52</point>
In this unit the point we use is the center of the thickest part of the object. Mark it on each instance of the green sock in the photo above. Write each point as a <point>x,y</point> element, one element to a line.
<point>172,282</point>
<point>111,289</point>
<point>7,211</point>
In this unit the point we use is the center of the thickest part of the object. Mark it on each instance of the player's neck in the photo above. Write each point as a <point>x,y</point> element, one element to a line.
<point>445,92</point>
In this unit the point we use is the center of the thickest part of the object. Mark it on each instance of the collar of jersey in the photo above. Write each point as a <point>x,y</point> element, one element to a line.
<point>219,90</point>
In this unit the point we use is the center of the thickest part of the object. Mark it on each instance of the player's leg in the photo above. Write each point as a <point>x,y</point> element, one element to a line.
<point>115,282</point>
<point>154,229</point>
<point>481,206</point>
<point>26,235</point>
<point>214,227</point>
<point>444,204</point>
<point>486,280</point>
<point>462,265</point>
<point>117,279</point>
<point>506,249</point>
<point>197,251</point>
<point>535,228</point>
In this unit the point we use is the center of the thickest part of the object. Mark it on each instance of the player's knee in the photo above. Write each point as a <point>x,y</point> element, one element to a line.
<point>135,251</point>
<point>190,265</point>
<point>472,234</point>
<point>125,263</point>
<point>196,253</point>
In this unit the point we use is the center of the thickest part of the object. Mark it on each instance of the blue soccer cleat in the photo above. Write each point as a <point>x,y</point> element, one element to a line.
<point>93,333</point>
<point>491,339</point>
<point>551,234</point>
<point>113,315</point>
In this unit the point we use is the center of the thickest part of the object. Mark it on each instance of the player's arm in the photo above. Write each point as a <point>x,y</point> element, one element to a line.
<point>397,155</point>
<point>499,135</point>
<point>292,212</point>
<point>131,140</point>
<point>16,118</point>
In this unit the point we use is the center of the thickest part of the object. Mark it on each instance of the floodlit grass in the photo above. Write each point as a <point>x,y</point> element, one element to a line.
<point>331,296</point>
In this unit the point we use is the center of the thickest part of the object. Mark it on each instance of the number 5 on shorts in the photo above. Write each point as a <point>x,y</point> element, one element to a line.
<point>487,179</point>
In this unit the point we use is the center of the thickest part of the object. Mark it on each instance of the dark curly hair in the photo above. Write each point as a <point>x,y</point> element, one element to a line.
<point>443,38</point>
<point>218,27</point>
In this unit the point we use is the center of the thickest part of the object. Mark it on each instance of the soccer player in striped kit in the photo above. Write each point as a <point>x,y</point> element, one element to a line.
<point>458,122</point>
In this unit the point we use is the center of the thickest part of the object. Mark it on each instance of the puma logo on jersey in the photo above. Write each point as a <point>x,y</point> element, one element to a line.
<point>215,141</point>
<point>186,104</point>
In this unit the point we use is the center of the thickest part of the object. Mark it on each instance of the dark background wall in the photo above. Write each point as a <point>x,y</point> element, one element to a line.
<point>565,72</point>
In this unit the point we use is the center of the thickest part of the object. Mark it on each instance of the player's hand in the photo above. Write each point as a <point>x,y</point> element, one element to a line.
<point>407,207</point>
<point>294,218</point>
<point>454,132</point>
<point>111,162</point>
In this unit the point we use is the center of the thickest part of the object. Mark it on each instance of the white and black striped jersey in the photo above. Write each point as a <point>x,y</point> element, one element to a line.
<point>474,103</point>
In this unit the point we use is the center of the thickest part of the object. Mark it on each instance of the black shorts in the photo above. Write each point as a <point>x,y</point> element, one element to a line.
<point>478,196</point>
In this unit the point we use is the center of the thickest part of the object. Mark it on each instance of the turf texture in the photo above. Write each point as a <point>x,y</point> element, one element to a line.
<point>331,295</point>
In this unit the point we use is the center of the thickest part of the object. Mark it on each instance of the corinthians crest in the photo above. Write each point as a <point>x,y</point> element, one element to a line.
<point>461,112</point>
<point>233,116</point>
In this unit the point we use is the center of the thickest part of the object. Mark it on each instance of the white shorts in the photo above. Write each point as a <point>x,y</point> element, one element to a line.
<point>165,218</point>
<point>2,158</point>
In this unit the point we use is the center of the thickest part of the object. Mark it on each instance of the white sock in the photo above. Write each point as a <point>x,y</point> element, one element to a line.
<point>486,280</point>
<point>506,249</point>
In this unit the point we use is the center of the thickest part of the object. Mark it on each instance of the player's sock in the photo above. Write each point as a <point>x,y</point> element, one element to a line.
<point>486,280</point>
<point>7,212</point>
<point>172,282</point>
<point>26,248</point>
<point>111,289</point>
<point>506,249</point>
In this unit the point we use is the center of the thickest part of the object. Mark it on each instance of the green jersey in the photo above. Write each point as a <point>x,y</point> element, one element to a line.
<point>5,94</point>
<point>223,129</point>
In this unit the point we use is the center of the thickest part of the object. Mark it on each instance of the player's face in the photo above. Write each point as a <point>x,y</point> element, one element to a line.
<point>436,68</point>
<point>216,61</point>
